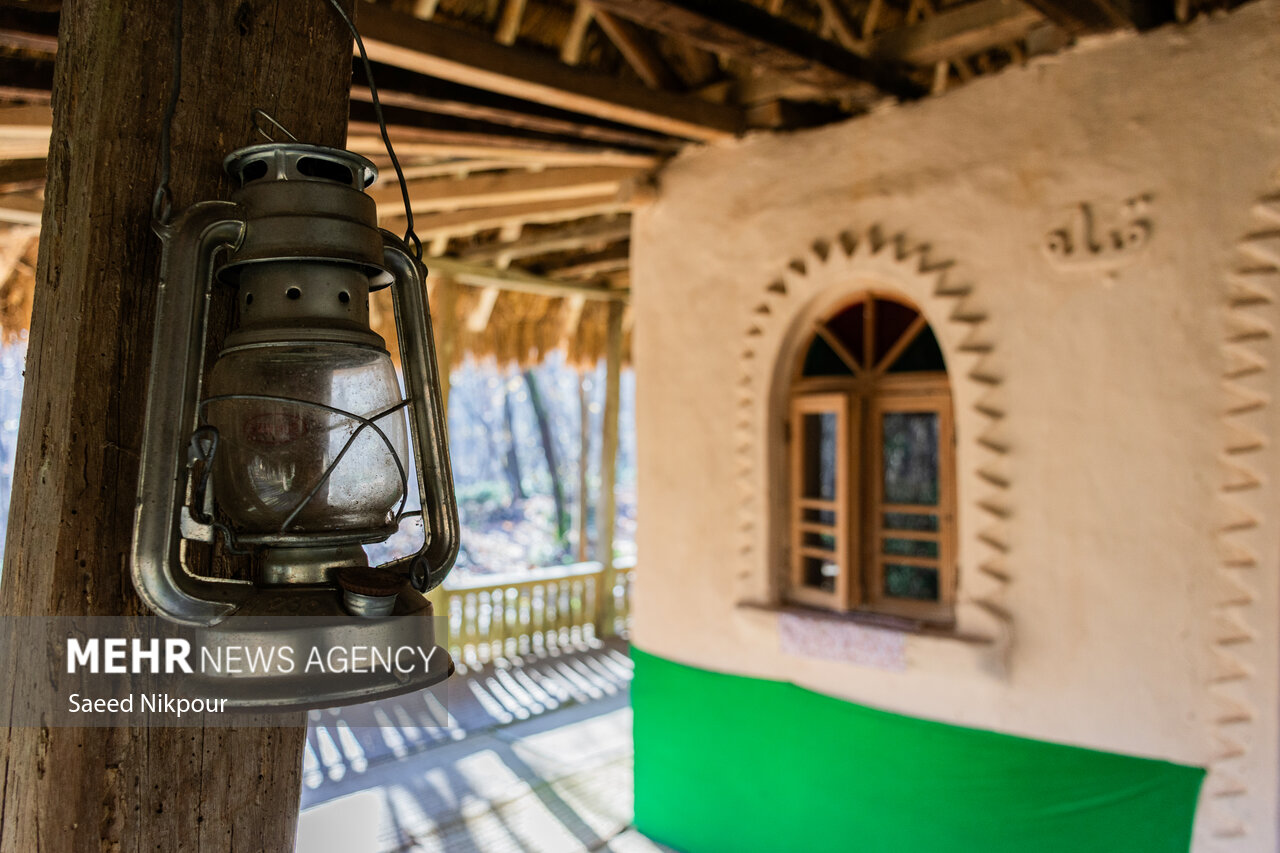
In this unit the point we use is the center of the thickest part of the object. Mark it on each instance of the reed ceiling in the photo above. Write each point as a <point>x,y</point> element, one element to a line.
<point>531,129</point>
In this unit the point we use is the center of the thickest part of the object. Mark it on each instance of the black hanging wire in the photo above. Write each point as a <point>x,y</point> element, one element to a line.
<point>409,236</point>
<point>162,201</point>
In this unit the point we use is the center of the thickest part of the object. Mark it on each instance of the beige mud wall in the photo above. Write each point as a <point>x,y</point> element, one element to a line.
<point>1120,537</point>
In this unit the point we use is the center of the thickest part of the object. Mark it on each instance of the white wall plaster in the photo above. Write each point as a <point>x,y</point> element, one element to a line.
<point>1131,582</point>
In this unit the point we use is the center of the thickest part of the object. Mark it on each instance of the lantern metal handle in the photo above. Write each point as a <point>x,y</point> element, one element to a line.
<point>429,566</point>
<point>182,307</point>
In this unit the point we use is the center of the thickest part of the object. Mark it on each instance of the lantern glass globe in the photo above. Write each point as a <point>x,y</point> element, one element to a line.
<point>273,453</point>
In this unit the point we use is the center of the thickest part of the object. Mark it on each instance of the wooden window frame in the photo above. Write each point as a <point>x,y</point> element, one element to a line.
<point>859,401</point>
<point>873,558</point>
<point>844,506</point>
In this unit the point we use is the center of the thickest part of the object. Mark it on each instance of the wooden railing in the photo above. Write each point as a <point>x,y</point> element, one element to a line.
<point>537,611</point>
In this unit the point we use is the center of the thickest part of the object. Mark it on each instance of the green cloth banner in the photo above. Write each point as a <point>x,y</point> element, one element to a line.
<point>727,764</point>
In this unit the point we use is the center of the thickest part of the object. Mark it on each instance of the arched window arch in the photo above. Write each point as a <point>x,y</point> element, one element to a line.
<point>872,464</point>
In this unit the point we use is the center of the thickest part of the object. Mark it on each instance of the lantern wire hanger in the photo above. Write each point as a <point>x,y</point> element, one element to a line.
<point>162,202</point>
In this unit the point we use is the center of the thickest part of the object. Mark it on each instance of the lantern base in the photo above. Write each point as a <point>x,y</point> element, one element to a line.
<point>330,662</point>
<point>309,565</point>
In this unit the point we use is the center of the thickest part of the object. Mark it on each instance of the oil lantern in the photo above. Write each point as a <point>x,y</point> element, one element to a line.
<point>294,445</point>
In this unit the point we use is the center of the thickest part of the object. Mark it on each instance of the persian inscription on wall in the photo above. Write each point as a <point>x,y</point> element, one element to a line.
<point>1097,235</point>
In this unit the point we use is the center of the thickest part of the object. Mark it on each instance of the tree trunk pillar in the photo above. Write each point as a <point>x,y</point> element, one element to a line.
<point>607,512</point>
<point>132,789</point>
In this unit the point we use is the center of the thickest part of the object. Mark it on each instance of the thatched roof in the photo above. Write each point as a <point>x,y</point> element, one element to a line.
<point>530,129</point>
<point>522,328</point>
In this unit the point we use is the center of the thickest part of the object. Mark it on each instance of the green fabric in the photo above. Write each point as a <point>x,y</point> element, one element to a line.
<point>727,764</point>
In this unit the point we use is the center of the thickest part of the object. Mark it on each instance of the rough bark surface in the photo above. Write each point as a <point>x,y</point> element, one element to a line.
<point>100,789</point>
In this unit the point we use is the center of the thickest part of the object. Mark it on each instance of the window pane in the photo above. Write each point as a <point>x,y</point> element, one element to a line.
<point>910,548</point>
<point>820,574</point>
<point>847,327</point>
<point>892,319</point>
<point>825,541</point>
<point>921,354</point>
<point>821,516</point>
<point>819,455</point>
<point>909,521</point>
<point>910,457</point>
<point>910,582</point>
<point>822,360</point>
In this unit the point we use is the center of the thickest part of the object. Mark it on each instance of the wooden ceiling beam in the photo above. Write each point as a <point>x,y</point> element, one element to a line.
<point>428,48</point>
<point>21,208</point>
<point>505,188</point>
<point>23,29</point>
<point>567,239</point>
<point>571,47</point>
<point>462,223</point>
<point>842,26</point>
<point>441,98</point>
<point>20,175</point>
<point>25,132</point>
<point>509,25</point>
<point>1079,17</point>
<point>745,32</point>
<point>478,275</point>
<point>459,167</point>
<point>28,80</point>
<point>611,260</point>
<point>638,49</point>
<point>957,32</point>
<point>364,139</point>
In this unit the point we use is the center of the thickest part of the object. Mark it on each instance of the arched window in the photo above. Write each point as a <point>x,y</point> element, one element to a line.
<point>872,459</point>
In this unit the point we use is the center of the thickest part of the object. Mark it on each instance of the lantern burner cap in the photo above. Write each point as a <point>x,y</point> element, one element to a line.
<point>370,593</point>
<point>293,161</point>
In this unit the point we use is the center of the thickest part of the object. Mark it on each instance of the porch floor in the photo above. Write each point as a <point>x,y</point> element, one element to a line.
<point>532,754</point>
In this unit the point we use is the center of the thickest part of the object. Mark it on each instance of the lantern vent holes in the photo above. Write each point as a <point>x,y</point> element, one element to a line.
<point>344,297</point>
<point>315,167</point>
<point>293,293</point>
<point>248,299</point>
<point>253,170</point>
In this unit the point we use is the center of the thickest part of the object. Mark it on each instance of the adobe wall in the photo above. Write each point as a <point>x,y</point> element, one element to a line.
<point>1119,527</point>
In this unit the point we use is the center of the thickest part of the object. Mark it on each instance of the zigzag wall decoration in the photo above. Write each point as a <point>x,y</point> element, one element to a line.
<point>832,269</point>
<point>1252,289</point>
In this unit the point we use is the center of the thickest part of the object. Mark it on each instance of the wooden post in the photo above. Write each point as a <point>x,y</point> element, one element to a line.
<point>191,789</point>
<point>584,464</point>
<point>444,325</point>
<point>606,514</point>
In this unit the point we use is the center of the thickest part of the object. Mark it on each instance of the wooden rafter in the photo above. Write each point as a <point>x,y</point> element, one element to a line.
<point>1092,16</point>
<point>752,35</point>
<point>33,31</point>
<point>364,138</point>
<point>596,264</point>
<point>570,238</point>
<point>509,25</point>
<point>443,99</point>
<point>429,48</point>
<point>505,188</point>
<point>466,222</point>
<point>638,49</point>
<point>21,208</point>
<point>842,25</point>
<point>477,275</point>
<point>29,80</point>
<point>19,175</point>
<point>957,32</point>
<point>571,47</point>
